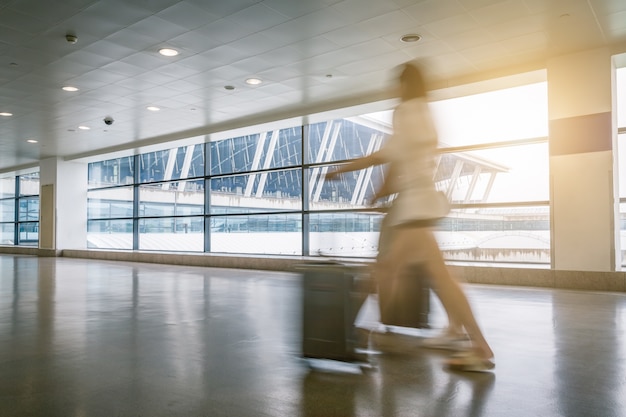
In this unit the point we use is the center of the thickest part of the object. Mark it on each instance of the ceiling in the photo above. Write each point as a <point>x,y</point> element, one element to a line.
<point>312,55</point>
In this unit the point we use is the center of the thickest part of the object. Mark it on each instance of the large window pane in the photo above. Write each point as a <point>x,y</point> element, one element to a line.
<point>344,234</point>
<point>29,209</point>
<point>111,172</point>
<point>348,191</point>
<point>7,233</point>
<point>110,203</point>
<point>277,234</point>
<point>29,233</point>
<point>495,116</point>
<point>7,187</point>
<point>498,234</point>
<point>110,234</point>
<point>507,174</point>
<point>343,139</point>
<point>172,164</point>
<point>266,150</point>
<point>258,192</point>
<point>184,234</point>
<point>178,198</point>
<point>7,210</point>
<point>29,184</point>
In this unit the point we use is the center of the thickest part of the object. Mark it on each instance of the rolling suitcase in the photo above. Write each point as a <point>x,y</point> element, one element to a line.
<point>332,295</point>
<point>407,304</point>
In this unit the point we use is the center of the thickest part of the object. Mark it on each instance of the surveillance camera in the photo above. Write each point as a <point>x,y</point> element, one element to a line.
<point>108,120</point>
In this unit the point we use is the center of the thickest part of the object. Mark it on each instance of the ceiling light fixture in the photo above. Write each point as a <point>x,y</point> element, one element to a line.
<point>84,127</point>
<point>6,114</point>
<point>253,81</point>
<point>153,108</point>
<point>168,52</point>
<point>32,141</point>
<point>411,37</point>
<point>69,88</point>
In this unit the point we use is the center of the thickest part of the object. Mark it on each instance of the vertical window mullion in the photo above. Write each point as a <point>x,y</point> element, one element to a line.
<point>207,197</point>
<point>136,184</point>
<point>16,216</point>
<point>305,191</point>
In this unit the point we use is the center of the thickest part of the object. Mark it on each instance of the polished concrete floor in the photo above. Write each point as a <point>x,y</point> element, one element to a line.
<point>95,338</point>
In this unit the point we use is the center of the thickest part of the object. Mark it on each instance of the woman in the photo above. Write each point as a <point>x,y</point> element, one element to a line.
<point>411,152</point>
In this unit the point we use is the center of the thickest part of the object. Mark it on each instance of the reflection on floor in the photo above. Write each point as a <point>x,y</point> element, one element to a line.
<point>97,338</point>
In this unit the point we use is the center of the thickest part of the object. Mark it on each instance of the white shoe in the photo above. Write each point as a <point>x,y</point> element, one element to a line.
<point>389,342</point>
<point>447,341</point>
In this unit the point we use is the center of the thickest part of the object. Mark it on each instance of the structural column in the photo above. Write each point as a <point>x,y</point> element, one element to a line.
<point>63,205</point>
<point>583,184</point>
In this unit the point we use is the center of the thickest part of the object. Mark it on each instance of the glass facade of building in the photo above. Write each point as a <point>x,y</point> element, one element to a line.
<point>266,193</point>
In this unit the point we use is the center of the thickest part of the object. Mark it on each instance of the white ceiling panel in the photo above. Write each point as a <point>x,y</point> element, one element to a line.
<point>435,10</point>
<point>360,10</point>
<point>389,23</point>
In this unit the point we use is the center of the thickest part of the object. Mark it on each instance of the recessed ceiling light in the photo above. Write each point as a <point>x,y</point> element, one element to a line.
<point>254,81</point>
<point>153,108</point>
<point>31,141</point>
<point>69,88</point>
<point>84,127</point>
<point>168,52</point>
<point>410,37</point>
<point>6,114</point>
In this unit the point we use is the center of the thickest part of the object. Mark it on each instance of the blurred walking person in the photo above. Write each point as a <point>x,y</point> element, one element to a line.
<point>410,153</point>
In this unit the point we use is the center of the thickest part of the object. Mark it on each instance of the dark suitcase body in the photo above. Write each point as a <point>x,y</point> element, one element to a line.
<point>407,305</point>
<point>332,295</point>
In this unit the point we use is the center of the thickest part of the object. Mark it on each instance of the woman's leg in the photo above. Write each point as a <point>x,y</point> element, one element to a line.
<point>412,245</point>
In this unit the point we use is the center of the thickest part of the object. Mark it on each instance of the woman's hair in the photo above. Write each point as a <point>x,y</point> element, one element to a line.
<point>412,82</point>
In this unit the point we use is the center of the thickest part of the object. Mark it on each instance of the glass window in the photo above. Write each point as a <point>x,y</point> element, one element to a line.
<point>495,116</point>
<point>184,234</point>
<point>119,171</point>
<point>7,187</point>
<point>7,233</point>
<point>110,234</point>
<point>497,234</point>
<point>277,234</point>
<point>496,175</point>
<point>266,150</point>
<point>29,209</point>
<point>344,234</point>
<point>258,192</point>
<point>171,199</point>
<point>29,184</point>
<point>110,203</point>
<point>344,139</point>
<point>348,191</point>
<point>29,233</point>
<point>256,184</point>
<point>172,164</point>
<point>7,210</point>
